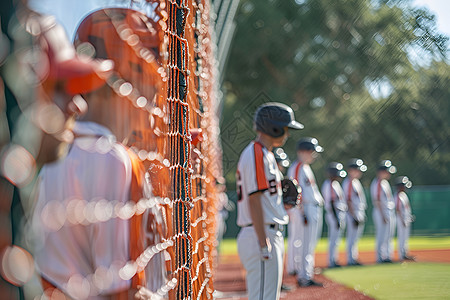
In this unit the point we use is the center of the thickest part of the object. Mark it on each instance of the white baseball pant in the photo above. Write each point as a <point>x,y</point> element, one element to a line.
<point>263,277</point>
<point>293,257</point>
<point>334,235</point>
<point>309,234</point>
<point>384,234</point>
<point>402,238</point>
<point>354,233</point>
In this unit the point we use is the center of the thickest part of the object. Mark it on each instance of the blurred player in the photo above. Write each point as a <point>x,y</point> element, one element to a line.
<point>383,211</point>
<point>283,163</point>
<point>261,214</point>
<point>335,207</point>
<point>99,172</point>
<point>305,225</point>
<point>42,79</point>
<point>357,204</point>
<point>404,217</point>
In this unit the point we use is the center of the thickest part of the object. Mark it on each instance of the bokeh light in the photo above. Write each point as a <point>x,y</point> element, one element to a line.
<point>17,265</point>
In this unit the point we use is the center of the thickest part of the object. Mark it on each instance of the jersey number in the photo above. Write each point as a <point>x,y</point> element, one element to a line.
<point>273,187</point>
<point>238,186</point>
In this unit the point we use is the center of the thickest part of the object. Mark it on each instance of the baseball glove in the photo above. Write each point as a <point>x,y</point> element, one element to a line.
<point>291,192</point>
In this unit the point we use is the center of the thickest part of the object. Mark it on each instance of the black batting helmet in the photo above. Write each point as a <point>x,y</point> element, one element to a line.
<point>271,118</point>
<point>357,163</point>
<point>403,181</point>
<point>309,143</point>
<point>386,165</point>
<point>336,169</point>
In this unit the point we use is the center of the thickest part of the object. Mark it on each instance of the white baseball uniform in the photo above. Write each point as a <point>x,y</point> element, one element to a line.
<point>257,171</point>
<point>404,219</point>
<point>380,191</point>
<point>354,195</point>
<point>335,208</point>
<point>83,243</point>
<point>303,237</point>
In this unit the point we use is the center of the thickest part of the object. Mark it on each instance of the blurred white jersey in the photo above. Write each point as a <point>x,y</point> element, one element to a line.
<point>257,171</point>
<point>73,244</point>
<point>305,178</point>
<point>403,208</point>
<point>380,190</point>
<point>354,194</point>
<point>334,195</point>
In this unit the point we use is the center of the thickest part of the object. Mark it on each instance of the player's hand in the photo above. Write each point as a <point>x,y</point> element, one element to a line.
<point>266,251</point>
<point>305,220</point>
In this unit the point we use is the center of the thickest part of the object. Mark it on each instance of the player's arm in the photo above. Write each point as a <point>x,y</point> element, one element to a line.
<point>333,208</point>
<point>302,200</point>
<point>350,204</point>
<point>378,202</point>
<point>399,212</point>
<point>256,213</point>
<point>349,199</point>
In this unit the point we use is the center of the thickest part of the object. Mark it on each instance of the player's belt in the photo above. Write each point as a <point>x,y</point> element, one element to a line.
<point>277,227</point>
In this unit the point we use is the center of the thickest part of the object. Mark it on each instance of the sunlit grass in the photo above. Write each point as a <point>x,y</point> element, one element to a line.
<point>228,246</point>
<point>397,281</point>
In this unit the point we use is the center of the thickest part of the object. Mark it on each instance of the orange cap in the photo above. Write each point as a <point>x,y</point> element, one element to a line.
<point>80,74</point>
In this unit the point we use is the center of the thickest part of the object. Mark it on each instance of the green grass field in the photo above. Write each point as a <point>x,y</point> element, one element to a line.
<point>388,281</point>
<point>397,281</point>
<point>228,246</point>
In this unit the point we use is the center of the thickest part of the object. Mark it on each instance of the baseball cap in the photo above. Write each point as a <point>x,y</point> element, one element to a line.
<point>386,165</point>
<point>309,143</point>
<point>62,63</point>
<point>336,169</point>
<point>403,181</point>
<point>357,163</point>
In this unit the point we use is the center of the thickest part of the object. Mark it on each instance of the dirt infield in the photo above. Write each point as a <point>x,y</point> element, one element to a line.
<point>230,277</point>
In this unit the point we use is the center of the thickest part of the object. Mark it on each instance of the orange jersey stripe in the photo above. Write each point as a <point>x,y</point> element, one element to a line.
<point>297,168</point>
<point>259,167</point>
<point>136,231</point>
<point>349,191</point>
<point>379,190</point>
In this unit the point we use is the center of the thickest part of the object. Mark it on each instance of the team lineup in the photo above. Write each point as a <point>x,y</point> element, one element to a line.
<point>266,183</point>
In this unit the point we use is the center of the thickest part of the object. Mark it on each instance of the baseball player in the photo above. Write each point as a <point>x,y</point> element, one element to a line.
<point>290,194</point>
<point>404,216</point>
<point>383,211</point>
<point>306,221</point>
<point>335,208</point>
<point>356,203</point>
<point>41,110</point>
<point>261,214</point>
<point>99,172</point>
